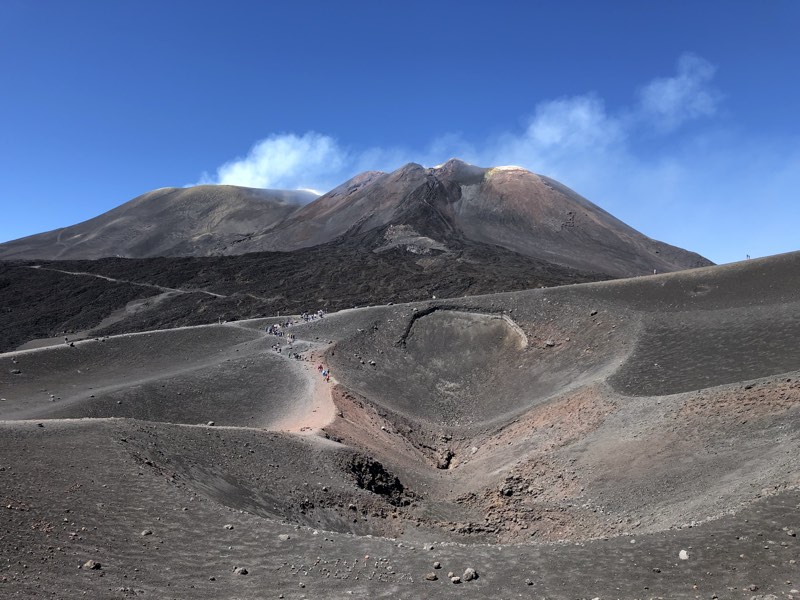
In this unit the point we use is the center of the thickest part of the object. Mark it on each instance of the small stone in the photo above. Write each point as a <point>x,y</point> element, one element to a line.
<point>212,578</point>
<point>210,423</point>
<point>228,526</point>
<point>437,565</point>
<point>469,574</point>
<point>15,371</point>
<point>549,343</point>
<point>431,576</point>
<point>92,565</point>
<point>528,581</point>
<point>455,579</point>
<point>753,588</point>
<point>284,537</point>
<point>450,574</point>
<point>593,313</point>
<point>147,532</point>
<point>683,555</point>
<point>240,571</point>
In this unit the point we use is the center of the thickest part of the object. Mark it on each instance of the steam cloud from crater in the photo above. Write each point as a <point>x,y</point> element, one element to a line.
<point>668,148</point>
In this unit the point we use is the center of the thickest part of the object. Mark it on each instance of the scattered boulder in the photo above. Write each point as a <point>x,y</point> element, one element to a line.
<point>284,537</point>
<point>228,526</point>
<point>469,574</point>
<point>437,565</point>
<point>683,555</point>
<point>549,343</point>
<point>240,571</point>
<point>15,371</point>
<point>147,532</point>
<point>431,576</point>
<point>210,423</point>
<point>455,579</point>
<point>92,565</point>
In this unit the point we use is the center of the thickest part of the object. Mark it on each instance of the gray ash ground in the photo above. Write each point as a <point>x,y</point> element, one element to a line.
<point>531,436</point>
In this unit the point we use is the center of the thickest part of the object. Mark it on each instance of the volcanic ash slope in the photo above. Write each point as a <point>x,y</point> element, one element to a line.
<point>635,419</point>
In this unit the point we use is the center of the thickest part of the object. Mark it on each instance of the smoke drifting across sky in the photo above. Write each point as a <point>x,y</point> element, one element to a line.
<point>561,132</point>
<point>669,157</point>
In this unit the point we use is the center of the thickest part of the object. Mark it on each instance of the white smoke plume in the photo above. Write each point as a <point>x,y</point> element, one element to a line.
<point>663,154</point>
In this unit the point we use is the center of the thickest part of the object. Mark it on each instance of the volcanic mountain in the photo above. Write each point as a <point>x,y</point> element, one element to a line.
<point>456,203</point>
<point>195,221</point>
<point>420,210</point>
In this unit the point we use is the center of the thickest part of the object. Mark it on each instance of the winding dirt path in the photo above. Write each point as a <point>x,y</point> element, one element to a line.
<point>307,415</point>
<point>147,285</point>
<point>322,410</point>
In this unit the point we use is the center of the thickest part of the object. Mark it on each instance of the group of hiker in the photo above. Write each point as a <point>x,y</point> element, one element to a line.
<point>294,355</point>
<point>279,330</point>
<point>311,316</point>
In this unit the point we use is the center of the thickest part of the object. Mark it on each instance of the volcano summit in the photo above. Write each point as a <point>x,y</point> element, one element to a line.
<point>426,211</point>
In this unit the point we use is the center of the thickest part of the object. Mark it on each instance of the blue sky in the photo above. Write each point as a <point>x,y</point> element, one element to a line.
<point>680,118</point>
